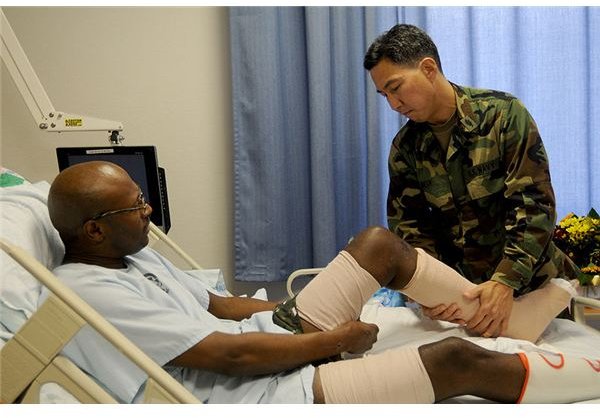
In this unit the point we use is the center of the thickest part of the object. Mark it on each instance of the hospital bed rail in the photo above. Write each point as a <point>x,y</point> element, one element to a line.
<point>578,305</point>
<point>33,352</point>
<point>157,235</point>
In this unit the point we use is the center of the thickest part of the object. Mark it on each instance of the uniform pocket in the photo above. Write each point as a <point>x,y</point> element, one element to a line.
<point>485,179</point>
<point>484,186</point>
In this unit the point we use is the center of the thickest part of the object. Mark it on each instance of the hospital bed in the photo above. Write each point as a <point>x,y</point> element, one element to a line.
<point>32,336</point>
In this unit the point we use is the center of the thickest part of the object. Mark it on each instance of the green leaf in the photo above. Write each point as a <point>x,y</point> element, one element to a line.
<point>585,279</point>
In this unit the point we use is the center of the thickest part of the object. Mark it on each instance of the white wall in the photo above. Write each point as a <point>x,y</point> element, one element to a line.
<point>165,73</point>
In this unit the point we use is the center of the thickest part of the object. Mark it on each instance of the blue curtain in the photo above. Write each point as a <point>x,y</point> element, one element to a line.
<point>311,136</point>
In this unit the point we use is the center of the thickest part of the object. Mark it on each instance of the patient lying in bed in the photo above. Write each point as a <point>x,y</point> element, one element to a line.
<point>227,349</point>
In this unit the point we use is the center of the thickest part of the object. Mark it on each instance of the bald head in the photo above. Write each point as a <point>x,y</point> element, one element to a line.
<point>82,191</point>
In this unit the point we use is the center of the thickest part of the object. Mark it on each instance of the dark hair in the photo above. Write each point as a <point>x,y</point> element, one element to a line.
<point>402,44</point>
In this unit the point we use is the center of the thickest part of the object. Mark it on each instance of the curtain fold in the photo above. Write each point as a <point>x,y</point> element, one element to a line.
<point>311,136</point>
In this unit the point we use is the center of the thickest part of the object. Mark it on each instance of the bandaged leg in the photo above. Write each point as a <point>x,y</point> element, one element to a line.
<point>337,295</point>
<point>556,378</point>
<point>434,283</point>
<point>394,376</point>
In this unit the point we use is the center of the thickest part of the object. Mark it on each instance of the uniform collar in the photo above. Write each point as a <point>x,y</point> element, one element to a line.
<point>468,112</point>
<point>468,109</point>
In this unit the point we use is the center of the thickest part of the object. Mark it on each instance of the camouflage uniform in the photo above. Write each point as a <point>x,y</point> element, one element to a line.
<point>487,207</point>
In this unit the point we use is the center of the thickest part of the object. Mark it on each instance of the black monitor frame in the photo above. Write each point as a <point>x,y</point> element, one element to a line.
<point>151,180</point>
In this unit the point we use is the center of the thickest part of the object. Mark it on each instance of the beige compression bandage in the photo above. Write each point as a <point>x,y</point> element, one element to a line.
<point>394,376</point>
<point>337,295</point>
<point>434,283</point>
<point>556,378</point>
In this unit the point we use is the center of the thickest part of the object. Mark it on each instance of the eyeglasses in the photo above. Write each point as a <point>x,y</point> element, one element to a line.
<point>143,206</point>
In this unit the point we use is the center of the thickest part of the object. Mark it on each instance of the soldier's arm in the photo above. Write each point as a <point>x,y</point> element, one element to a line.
<point>530,198</point>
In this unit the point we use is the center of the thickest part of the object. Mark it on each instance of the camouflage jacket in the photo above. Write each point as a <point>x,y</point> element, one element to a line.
<point>487,209</point>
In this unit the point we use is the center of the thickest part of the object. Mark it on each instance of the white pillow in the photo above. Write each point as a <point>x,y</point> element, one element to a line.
<point>25,222</point>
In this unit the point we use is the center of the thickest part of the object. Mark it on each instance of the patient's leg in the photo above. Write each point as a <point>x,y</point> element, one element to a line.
<point>458,367</point>
<point>336,295</point>
<point>430,373</point>
<point>435,283</point>
<point>454,367</point>
<point>377,257</point>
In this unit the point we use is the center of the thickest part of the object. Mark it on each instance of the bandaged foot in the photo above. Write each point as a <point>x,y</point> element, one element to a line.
<point>434,283</point>
<point>556,378</point>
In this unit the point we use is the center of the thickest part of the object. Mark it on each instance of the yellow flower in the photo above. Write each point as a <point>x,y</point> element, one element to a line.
<point>579,238</point>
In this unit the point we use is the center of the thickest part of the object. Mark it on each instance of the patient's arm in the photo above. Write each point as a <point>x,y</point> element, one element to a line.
<point>237,308</point>
<point>257,353</point>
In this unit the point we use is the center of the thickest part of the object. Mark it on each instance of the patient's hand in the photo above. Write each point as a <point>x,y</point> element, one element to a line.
<point>442,312</point>
<point>358,337</point>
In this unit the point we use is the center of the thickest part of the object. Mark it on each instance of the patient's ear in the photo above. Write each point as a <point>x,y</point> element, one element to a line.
<point>94,231</point>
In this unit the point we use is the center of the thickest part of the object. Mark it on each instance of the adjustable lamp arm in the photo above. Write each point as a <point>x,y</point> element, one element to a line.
<point>46,117</point>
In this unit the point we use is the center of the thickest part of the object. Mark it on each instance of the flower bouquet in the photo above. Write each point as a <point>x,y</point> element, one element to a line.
<point>579,238</point>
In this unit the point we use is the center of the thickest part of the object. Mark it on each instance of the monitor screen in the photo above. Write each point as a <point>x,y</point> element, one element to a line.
<point>141,164</point>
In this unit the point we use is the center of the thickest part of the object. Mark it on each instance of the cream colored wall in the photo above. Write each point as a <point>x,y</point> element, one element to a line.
<point>165,73</point>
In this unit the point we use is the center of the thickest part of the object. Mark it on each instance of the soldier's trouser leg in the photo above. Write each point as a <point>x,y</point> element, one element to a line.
<point>434,283</point>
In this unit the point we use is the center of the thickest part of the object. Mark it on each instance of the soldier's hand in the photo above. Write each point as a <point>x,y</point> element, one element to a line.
<point>495,299</point>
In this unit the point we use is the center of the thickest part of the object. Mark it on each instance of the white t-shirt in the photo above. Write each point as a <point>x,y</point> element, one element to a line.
<point>163,310</point>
